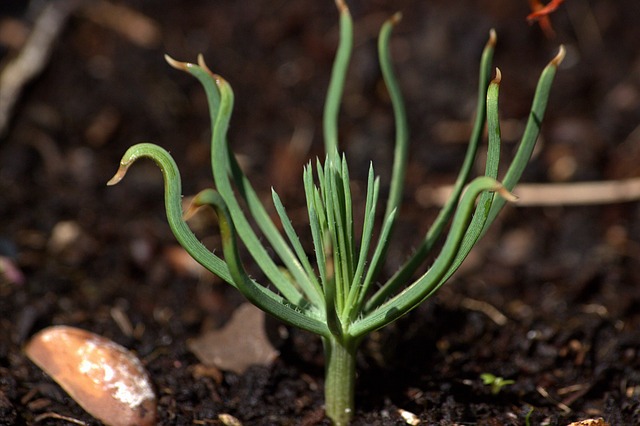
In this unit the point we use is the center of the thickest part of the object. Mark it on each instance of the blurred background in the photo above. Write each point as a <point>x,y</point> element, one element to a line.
<point>81,81</point>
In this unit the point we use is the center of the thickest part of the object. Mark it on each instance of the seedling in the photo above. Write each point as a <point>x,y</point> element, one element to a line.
<point>339,293</point>
<point>496,382</point>
<point>527,417</point>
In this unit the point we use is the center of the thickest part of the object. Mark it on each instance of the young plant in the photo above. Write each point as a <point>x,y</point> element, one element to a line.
<point>338,297</point>
<point>495,382</point>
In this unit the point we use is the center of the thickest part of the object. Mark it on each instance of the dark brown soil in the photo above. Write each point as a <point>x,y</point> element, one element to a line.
<point>566,278</point>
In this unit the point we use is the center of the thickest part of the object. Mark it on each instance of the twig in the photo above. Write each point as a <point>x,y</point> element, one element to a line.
<point>35,54</point>
<point>486,308</point>
<point>51,415</point>
<point>542,391</point>
<point>554,194</point>
<point>136,27</point>
<point>33,57</point>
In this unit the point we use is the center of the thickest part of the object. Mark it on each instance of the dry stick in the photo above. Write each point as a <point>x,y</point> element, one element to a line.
<point>136,27</point>
<point>52,415</point>
<point>542,391</point>
<point>33,57</point>
<point>554,194</point>
<point>486,308</point>
<point>36,52</point>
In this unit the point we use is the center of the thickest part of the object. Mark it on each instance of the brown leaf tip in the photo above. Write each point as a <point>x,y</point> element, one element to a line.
<point>176,64</point>
<point>506,194</point>
<point>562,52</point>
<point>203,64</point>
<point>122,171</point>
<point>493,38</point>
<point>396,18</point>
<point>342,6</point>
<point>191,210</point>
<point>498,78</point>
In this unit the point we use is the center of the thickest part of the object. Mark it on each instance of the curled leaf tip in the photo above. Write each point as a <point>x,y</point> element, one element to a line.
<point>562,52</point>
<point>396,18</point>
<point>122,170</point>
<point>201,199</point>
<point>493,37</point>
<point>498,78</point>
<point>176,64</point>
<point>203,64</point>
<point>190,211</point>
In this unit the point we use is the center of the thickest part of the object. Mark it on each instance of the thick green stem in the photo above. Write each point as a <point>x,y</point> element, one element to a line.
<point>340,358</point>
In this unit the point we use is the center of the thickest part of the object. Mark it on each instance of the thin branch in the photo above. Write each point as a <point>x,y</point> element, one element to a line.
<point>33,57</point>
<point>553,194</point>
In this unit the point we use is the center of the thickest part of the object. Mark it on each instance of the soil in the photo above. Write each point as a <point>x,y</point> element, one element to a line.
<point>549,299</point>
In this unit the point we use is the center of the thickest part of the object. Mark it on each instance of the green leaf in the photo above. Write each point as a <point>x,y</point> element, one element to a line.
<point>295,241</point>
<point>491,170</point>
<point>336,84</point>
<point>220,97</point>
<point>531,131</point>
<point>298,316</point>
<point>173,204</point>
<point>414,294</point>
<point>400,116</point>
<point>492,207</point>
<point>403,275</point>
<point>356,287</point>
<point>333,204</point>
<point>314,208</point>
<point>376,259</point>
<point>496,382</point>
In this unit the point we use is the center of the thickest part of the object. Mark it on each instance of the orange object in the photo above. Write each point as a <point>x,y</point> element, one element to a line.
<point>540,13</point>
<point>107,380</point>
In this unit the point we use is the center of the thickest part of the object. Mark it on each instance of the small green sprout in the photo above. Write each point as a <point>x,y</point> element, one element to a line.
<point>496,382</point>
<point>527,417</point>
<point>339,293</point>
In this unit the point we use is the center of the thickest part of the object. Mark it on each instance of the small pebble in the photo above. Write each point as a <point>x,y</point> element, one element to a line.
<point>229,420</point>
<point>409,417</point>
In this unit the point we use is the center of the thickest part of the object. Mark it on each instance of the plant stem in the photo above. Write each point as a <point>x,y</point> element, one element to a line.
<point>340,358</point>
